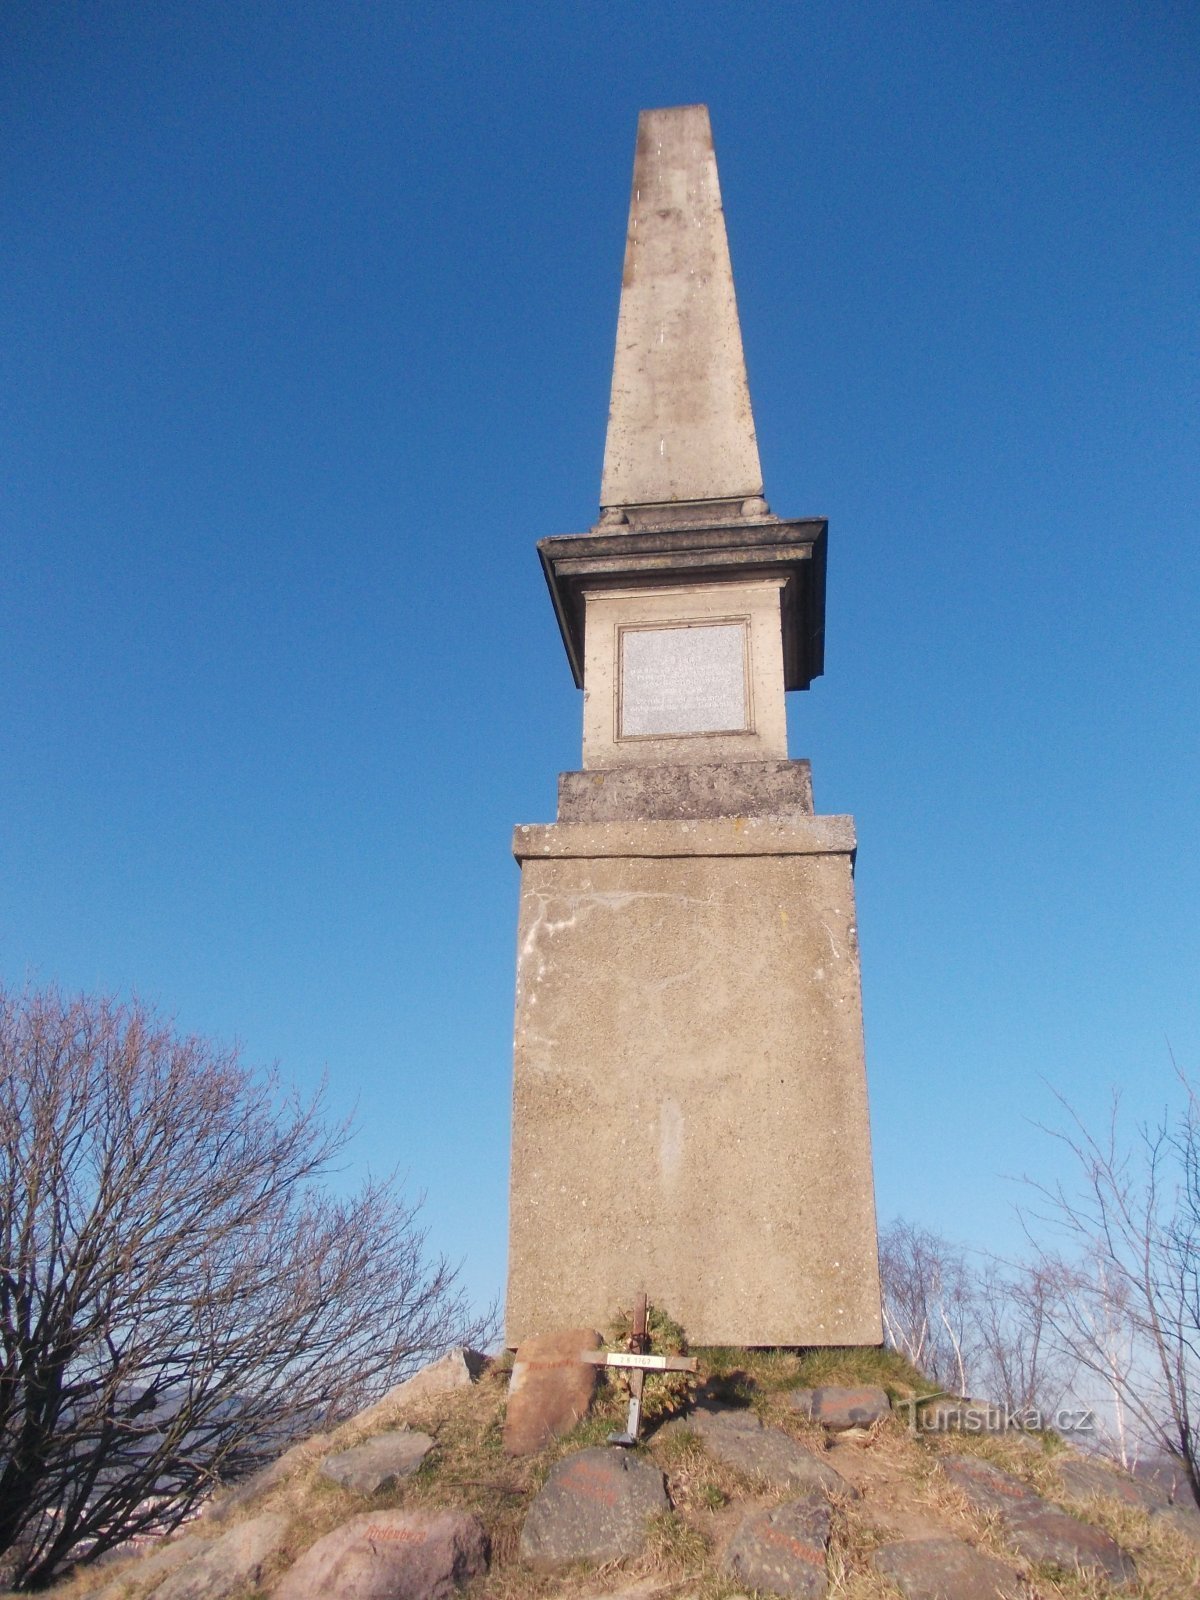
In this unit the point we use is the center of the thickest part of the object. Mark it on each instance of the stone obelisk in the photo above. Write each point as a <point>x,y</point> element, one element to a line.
<point>689,1107</point>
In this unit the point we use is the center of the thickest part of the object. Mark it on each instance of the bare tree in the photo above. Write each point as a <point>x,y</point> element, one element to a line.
<point>1018,1362</point>
<point>928,1302</point>
<point>1121,1246</point>
<point>178,1295</point>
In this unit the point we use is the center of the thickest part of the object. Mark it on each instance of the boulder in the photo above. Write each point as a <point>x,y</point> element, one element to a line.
<point>1037,1530</point>
<point>946,1569</point>
<point>987,1487</point>
<point>550,1389</point>
<point>839,1409</point>
<point>379,1463</point>
<point>141,1571</point>
<point>781,1549</point>
<point>1083,1477</point>
<point>229,1564</point>
<point>459,1369</point>
<point>239,1495</point>
<point>1185,1519</point>
<point>593,1507</point>
<point>391,1555</point>
<point>738,1438</point>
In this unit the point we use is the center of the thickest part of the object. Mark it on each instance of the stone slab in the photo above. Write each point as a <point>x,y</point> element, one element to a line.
<point>1185,1519</point>
<point>140,1574</point>
<point>1082,1478</point>
<point>228,1565</point>
<point>593,1507</point>
<point>550,1389</point>
<point>379,1463</point>
<point>679,423</point>
<point>839,1409</point>
<point>1037,1530</point>
<point>688,1058</point>
<point>739,1439</point>
<point>687,792</point>
<point>946,1569</point>
<point>391,1555</point>
<point>712,837</point>
<point>457,1369</point>
<point>781,1550</point>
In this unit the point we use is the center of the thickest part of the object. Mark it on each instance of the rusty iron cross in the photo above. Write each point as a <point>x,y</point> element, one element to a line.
<point>638,1361</point>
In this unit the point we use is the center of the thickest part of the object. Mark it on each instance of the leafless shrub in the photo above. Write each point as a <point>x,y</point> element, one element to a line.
<point>1120,1247</point>
<point>928,1296</point>
<point>974,1326</point>
<point>178,1296</point>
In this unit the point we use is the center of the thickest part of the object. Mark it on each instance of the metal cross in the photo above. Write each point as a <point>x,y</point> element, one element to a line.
<point>638,1361</point>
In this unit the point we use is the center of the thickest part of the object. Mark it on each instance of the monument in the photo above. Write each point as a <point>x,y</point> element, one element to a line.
<point>689,1098</point>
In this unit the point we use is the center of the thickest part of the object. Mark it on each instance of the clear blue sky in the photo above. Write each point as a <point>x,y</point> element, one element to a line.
<point>308,317</point>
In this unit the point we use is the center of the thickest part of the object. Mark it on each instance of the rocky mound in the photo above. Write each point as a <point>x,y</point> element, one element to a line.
<point>756,1482</point>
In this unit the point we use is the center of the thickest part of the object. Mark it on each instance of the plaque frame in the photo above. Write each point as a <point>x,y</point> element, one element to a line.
<point>740,620</point>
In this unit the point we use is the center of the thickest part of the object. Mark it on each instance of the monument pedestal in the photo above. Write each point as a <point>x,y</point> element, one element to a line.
<point>690,1111</point>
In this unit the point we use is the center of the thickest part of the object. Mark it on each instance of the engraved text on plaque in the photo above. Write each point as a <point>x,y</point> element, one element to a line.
<point>690,678</point>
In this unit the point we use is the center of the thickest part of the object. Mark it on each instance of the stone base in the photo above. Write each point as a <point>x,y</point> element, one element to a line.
<point>690,1110</point>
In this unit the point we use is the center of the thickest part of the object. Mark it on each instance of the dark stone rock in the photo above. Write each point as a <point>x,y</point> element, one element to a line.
<point>987,1487</point>
<point>1035,1529</point>
<point>144,1569</point>
<point>739,1439</point>
<point>676,792</point>
<point>238,1496</point>
<point>550,1389</point>
<point>391,1555</point>
<point>376,1465</point>
<point>593,1507</point>
<point>782,1549</point>
<point>946,1569</point>
<point>1083,1477</point>
<point>227,1565</point>
<point>457,1369</point>
<point>1184,1519</point>
<point>838,1409</point>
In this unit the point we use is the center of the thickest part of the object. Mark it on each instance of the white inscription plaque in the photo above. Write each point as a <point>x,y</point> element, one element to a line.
<point>686,679</point>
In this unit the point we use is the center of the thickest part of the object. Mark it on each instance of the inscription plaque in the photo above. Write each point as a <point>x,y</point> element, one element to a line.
<point>690,678</point>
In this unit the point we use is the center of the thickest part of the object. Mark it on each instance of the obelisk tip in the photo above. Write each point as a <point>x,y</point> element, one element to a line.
<point>680,427</point>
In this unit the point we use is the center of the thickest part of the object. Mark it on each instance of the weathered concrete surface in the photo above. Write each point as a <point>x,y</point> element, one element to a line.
<point>946,1569</point>
<point>782,1550</point>
<point>744,606</point>
<point>228,1565</point>
<point>677,792</point>
<point>550,1389</point>
<point>710,836</point>
<point>679,425</point>
<point>379,1463</point>
<point>593,1507</point>
<point>391,1555</point>
<point>690,1109</point>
